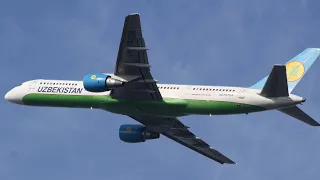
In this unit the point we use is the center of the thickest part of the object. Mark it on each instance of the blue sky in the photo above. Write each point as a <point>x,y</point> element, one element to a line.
<point>192,42</point>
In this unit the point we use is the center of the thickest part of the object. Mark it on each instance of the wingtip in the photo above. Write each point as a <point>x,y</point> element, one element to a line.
<point>317,125</point>
<point>132,14</point>
<point>231,162</point>
<point>228,161</point>
<point>314,49</point>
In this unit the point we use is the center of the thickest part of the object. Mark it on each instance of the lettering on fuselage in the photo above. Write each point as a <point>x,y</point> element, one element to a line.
<point>65,90</point>
<point>201,94</point>
<point>226,95</point>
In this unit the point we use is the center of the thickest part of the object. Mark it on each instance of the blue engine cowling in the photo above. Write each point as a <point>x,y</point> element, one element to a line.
<point>136,133</point>
<point>100,83</point>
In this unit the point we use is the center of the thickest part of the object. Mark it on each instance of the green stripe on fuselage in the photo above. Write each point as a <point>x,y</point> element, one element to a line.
<point>167,107</point>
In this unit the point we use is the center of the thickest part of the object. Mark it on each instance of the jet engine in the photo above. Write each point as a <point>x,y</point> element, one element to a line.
<point>100,83</point>
<point>136,133</point>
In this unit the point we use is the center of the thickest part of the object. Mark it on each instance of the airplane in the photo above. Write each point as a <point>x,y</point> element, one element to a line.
<point>132,91</point>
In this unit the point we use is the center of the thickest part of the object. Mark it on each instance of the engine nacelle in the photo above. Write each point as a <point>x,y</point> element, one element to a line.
<point>136,133</point>
<point>100,83</point>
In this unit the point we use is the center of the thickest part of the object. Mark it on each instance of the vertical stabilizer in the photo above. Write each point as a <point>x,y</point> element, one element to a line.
<point>296,68</point>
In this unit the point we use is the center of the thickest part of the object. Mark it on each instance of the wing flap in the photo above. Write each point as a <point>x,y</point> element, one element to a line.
<point>195,143</point>
<point>176,131</point>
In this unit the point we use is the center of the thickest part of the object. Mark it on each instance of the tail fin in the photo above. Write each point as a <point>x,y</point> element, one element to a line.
<point>296,68</point>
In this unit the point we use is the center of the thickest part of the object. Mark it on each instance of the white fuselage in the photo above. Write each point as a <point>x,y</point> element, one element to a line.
<point>185,92</point>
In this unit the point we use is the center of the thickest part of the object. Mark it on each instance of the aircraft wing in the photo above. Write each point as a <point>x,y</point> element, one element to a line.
<point>132,64</point>
<point>175,130</point>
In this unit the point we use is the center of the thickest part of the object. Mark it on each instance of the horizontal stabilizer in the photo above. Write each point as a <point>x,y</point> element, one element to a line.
<point>276,85</point>
<point>300,115</point>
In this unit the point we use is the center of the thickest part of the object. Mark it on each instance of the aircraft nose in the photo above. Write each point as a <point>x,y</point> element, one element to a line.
<point>6,97</point>
<point>13,97</point>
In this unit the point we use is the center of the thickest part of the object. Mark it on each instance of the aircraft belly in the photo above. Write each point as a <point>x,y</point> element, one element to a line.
<point>177,107</point>
<point>167,107</point>
<point>170,107</point>
<point>222,103</point>
<point>268,103</point>
<point>58,100</point>
<point>213,107</point>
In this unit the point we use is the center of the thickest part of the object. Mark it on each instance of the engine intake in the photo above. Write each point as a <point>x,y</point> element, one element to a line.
<point>136,133</point>
<point>100,83</point>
